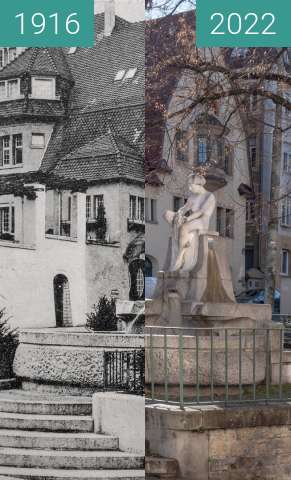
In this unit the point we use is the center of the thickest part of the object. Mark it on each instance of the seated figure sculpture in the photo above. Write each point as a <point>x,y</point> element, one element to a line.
<point>186,229</point>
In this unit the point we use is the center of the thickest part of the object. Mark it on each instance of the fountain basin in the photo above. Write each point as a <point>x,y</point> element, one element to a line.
<point>67,361</point>
<point>206,368</point>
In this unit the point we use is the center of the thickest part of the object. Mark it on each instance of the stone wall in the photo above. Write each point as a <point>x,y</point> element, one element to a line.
<point>217,443</point>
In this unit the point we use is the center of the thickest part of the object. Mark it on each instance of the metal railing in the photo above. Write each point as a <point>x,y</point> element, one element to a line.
<point>124,371</point>
<point>215,365</point>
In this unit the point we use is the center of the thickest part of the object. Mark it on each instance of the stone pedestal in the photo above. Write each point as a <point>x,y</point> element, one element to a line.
<point>203,297</point>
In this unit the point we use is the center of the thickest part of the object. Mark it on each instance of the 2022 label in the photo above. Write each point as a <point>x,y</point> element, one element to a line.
<point>249,24</point>
<point>243,23</point>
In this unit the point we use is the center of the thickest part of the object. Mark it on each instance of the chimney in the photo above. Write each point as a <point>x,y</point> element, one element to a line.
<point>109,17</point>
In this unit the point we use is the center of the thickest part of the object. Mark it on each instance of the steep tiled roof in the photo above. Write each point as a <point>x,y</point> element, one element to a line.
<point>83,127</point>
<point>104,158</point>
<point>94,69</point>
<point>45,61</point>
<point>80,146</point>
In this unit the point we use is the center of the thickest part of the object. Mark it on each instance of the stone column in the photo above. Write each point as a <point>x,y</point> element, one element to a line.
<point>79,217</point>
<point>34,216</point>
<point>19,225</point>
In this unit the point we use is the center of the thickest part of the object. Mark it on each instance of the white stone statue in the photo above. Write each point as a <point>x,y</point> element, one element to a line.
<point>187,228</point>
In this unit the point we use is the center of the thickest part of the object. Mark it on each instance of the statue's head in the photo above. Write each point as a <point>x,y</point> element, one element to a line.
<point>196,183</point>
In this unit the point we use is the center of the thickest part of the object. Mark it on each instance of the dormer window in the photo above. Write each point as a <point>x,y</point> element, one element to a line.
<point>130,73</point>
<point>9,89</point>
<point>43,88</point>
<point>119,76</point>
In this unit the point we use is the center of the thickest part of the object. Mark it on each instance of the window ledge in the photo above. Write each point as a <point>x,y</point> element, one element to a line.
<point>7,167</point>
<point>61,238</point>
<point>32,97</point>
<point>13,244</point>
<point>103,244</point>
<point>9,99</point>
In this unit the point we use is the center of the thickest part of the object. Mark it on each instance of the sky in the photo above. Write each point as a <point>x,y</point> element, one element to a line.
<point>131,10</point>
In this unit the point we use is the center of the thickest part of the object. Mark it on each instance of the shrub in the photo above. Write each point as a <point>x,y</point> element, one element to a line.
<point>8,345</point>
<point>103,316</point>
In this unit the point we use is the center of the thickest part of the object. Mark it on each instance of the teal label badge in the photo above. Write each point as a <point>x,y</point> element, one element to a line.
<point>243,23</point>
<point>49,23</point>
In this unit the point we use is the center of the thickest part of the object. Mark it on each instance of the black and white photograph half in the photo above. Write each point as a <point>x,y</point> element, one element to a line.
<point>72,254</point>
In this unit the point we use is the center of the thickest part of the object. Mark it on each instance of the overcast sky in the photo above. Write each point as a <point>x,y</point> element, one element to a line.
<point>132,10</point>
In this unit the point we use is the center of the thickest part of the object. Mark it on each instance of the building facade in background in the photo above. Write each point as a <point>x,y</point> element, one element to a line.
<point>72,175</point>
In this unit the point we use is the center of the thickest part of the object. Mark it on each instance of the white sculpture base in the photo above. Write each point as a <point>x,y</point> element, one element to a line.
<point>203,297</point>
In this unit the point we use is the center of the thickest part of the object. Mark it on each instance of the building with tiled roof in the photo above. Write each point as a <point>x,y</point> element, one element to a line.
<point>72,175</point>
<point>177,145</point>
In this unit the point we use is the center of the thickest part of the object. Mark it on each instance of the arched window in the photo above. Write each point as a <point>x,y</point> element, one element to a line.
<point>62,301</point>
<point>137,284</point>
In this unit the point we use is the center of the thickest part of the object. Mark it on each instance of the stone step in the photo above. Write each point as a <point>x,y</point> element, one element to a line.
<point>80,460</point>
<point>41,474</point>
<point>17,401</point>
<point>56,440</point>
<point>51,423</point>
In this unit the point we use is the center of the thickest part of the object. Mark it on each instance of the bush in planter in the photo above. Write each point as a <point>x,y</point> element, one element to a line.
<point>103,316</point>
<point>8,345</point>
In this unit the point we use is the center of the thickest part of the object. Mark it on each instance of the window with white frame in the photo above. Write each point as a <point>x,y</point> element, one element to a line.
<point>286,212</point>
<point>9,89</point>
<point>7,55</point>
<point>98,202</point>
<point>136,208</point>
<point>11,150</point>
<point>202,150</point>
<point>37,140</point>
<point>151,210</point>
<point>93,202</point>
<point>7,222</point>
<point>285,262</point>
<point>88,207</point>
<point>43,87</point>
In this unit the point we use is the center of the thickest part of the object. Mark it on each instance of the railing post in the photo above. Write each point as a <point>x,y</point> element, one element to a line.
<point>226,364</point>
<point>152,365</point>
<point>181,370</point>
<point>166,366</point>
<point>254,364</point>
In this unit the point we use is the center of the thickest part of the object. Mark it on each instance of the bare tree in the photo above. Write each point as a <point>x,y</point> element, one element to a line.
<point>229,77</point>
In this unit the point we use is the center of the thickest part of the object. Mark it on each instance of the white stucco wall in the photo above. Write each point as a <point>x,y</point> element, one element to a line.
<point>28,267</point>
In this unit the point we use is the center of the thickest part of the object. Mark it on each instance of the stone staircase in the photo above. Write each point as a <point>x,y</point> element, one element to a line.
<point>53,439</point>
